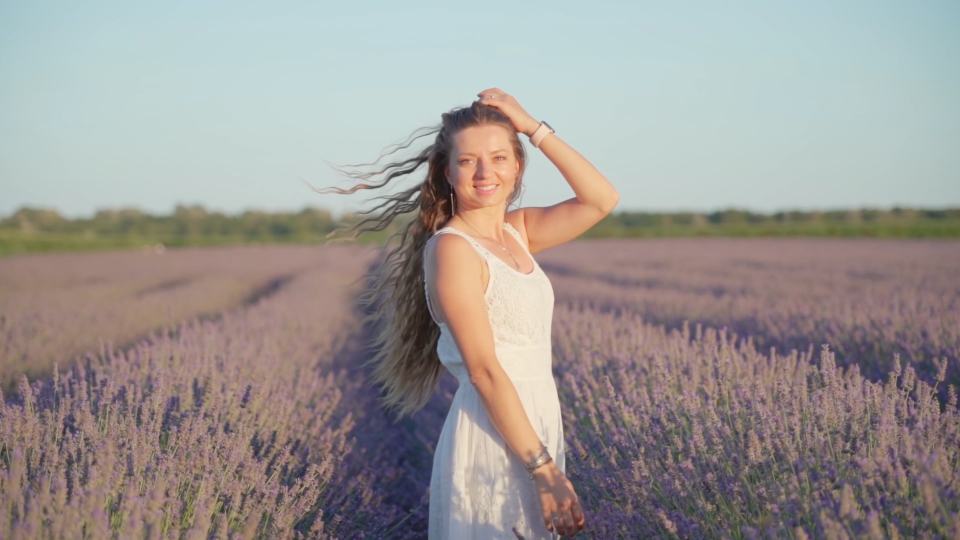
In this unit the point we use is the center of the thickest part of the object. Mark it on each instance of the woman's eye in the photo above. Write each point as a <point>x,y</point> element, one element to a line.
<point>502,158</point>
<point>464,161</point>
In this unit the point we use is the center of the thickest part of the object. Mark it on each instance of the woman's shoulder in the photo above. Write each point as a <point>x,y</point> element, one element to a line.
<point>449,243</point>
<point>455,255</point>
<point>448,235</point>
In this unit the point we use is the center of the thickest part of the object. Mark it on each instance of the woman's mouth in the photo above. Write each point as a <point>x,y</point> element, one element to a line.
<point>487,189</point>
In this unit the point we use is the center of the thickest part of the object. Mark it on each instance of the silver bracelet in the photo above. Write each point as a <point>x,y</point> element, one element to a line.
<point>548,460</point>
<point>538,461</point>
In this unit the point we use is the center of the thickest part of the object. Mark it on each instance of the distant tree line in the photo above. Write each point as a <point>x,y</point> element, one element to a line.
<point>185,222</point>
<point>895,222</point>
<point>36,229</point>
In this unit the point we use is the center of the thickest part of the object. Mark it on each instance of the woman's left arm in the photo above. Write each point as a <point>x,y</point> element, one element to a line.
<point>595,195</point>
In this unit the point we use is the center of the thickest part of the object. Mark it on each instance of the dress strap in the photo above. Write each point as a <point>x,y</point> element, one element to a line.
<point>516,234</point>
<point>484,252</point>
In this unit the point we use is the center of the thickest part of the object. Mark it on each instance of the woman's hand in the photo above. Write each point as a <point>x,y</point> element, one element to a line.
<point>505,103</point>
<point>560,505</point>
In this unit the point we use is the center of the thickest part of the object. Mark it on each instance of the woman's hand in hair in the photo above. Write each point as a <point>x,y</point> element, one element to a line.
<point>505,103</point>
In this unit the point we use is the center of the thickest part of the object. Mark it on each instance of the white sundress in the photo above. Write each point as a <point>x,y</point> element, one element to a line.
<point>478,486</point>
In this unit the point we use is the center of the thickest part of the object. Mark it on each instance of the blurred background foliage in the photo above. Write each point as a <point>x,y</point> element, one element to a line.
<point>866,222</point>
<point>37,229</point>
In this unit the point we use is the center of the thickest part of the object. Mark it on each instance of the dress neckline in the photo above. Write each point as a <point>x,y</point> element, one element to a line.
<point>494,255</point>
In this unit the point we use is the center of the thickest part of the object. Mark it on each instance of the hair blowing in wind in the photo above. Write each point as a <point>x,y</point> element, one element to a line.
<point>405,363</point>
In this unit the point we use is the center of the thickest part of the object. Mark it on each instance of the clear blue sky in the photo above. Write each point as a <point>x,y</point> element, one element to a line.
<point>763,105</point>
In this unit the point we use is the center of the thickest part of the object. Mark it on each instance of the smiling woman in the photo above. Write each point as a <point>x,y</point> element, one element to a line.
<point>464,293</point>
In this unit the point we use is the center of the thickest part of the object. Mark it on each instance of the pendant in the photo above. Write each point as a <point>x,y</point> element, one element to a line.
<point>504,248</point>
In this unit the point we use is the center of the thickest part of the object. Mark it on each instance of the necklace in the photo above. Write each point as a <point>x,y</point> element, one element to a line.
<point>503,247</point>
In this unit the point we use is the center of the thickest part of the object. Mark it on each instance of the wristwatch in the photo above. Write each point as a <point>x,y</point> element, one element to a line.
<point>540,133</point>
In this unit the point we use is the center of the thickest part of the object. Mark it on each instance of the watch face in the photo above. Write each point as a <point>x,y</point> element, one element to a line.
<point>549,126</point>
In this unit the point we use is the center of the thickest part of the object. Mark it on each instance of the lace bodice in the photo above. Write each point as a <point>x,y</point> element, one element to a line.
<point>520,306</point>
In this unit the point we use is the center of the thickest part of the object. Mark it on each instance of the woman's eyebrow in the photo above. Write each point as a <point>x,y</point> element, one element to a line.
<point>498,150</point>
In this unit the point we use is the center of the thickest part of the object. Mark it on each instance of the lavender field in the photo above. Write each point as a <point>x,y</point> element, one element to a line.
<point>711,389</point>
<point>57,306</point>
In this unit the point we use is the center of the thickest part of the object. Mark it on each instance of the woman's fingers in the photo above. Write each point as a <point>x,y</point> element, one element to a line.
<point>505,103</point>
<point>498,101</point>
<point>564,524</point>
<point>493,91</point>
<point>561,522</point>
<point>561,509</point>
<point>577,512</point>
<point>495,96</point>
<point>548,520</point>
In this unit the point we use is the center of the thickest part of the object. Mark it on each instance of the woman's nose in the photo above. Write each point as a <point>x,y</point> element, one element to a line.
<point>483,168</point>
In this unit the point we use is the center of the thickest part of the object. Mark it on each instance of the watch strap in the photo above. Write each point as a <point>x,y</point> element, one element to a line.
<point>542,131</point>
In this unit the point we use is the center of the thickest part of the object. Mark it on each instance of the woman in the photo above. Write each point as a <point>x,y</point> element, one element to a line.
<point>464,292</point>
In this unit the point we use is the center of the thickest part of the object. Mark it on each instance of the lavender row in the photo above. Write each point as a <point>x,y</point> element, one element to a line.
<point>54,307</point>
<point>696,434</point>
<point>225,428</point>
<point>867,299</point>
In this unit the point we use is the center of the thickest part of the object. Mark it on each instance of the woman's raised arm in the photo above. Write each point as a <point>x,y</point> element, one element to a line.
<point>595,195</point>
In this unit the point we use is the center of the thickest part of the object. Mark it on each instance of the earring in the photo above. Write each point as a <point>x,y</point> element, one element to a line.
<point>452,211</point>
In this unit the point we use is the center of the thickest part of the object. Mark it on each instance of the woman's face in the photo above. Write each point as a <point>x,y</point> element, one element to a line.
<point>483,168</point>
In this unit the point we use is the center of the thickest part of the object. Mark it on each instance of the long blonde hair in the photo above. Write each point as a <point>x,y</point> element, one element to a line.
<point>406,364</point>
